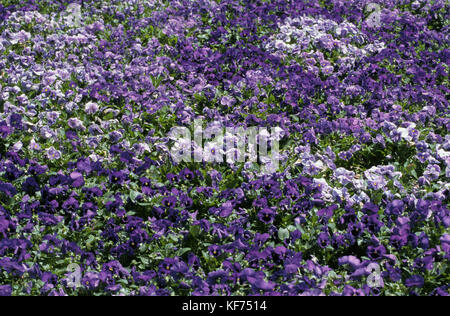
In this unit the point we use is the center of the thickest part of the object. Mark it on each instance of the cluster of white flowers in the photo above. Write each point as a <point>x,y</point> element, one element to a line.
<point>305,36</point>
<point>218,143</point>
<point>18,18</point>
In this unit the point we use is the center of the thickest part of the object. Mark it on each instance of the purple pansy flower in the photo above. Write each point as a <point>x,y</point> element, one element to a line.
<point>5,290</point>
<point>414,281</point>
<point>53,154</point>
<point>266,215</point>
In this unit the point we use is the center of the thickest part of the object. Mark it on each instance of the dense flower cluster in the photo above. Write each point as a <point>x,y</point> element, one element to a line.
<point>93,203</point>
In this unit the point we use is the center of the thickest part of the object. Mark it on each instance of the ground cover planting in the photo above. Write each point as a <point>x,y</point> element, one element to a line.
<point>224,147</point>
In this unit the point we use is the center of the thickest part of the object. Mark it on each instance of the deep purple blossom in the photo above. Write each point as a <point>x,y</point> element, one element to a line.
<point>266,215</point>
<point>414,281</point>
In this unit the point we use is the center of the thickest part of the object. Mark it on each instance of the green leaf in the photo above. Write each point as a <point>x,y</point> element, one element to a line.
<point>194,230</point>
<point>183,251</point>
<point>283,233</point>
<point>134,195</point>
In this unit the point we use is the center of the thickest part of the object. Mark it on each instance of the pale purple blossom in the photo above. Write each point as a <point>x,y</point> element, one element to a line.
<point>432,172</point>
<point>34,146</point>
<point>53,154</point>
<point>91,108</point>
<point>75,123</point>
<point>20,37</point>
<point>227,100</point>
<point>344,176</point>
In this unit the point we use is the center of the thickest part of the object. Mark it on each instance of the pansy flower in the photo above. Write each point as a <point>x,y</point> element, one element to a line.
<point>5,290</point>
<point>395,208</point>
<point>186,174</point>
<point>75,124</point>
<point>266,215</point>
<point>292,193</point>
<point>53,154</point>
<point>376,252</point>
<point>215,277</point>
<point>214,250</point>
<point>345,155</point>
<point>30,185</point>
<point>415,281</point>
<point>445,243</point>
<point>166,266</point>
<point>8,189</point>
<point>34,145</point>
<point>169,202</point>
<point>425,263</point>
<point>117,177</point>
<point>323,240</point>
<point>77,179</point>
<point>90,280</point>
<point>71,204</point>
<point>226,209</point>
<point>15,120</point>
<point>253,185</point>
<point>270,185</point>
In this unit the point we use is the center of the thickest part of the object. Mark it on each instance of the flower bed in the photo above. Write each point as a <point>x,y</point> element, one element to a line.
<point>351,98</point>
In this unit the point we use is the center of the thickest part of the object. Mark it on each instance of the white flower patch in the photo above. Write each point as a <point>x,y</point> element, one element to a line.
<point>311,167</point>
<point>362,197</point>
<point>344,176</point>
<point>308,34</point>
<point>405,131</point>
<point>443,154</point>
